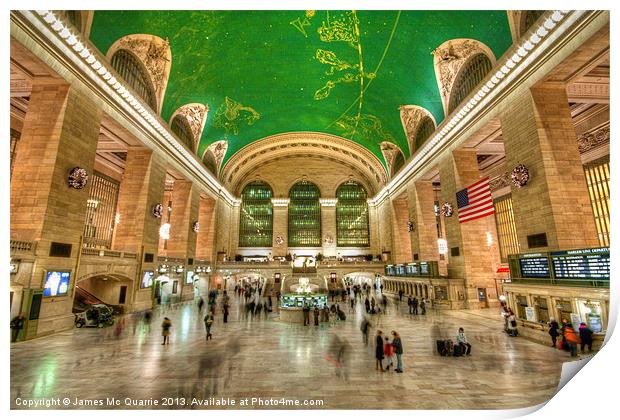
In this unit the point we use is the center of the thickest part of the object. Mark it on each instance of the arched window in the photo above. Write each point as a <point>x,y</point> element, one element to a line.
<point>427,127</point>
<point>472,73</point>
<point>399,162</point>
<point>181,128</point>
<point>128,66</point>
<point>352,215</point>
<point>304,215</point>
<point>256,215</point>
<point>528,18</point>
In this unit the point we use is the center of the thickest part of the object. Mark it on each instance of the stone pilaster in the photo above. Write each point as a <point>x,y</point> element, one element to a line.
<point>206,234</point>
<point>280,227</point>
<point>401,249</point>
<point>475,261</point>
<point>539,133</point>
<point>60,132</point>
<point>421,200</point>
<point>224,219</point>
<point>328,226</point>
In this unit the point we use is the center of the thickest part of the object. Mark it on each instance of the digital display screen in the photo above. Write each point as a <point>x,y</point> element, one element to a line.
<point>423,268</point>
<point>389,270</point>
<point>411,269</point>
<point>588,266</point>
<point>147,280</point>
<point>56,283</point>
<point>189,277</point>
<point>535,268</point>
<point>400,270</point>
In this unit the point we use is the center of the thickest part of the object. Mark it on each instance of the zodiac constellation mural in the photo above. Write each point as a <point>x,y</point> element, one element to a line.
<point>231,114</point>
<point>345,28</point>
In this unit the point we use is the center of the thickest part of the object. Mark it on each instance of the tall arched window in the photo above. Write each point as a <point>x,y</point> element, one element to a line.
<point>472,73</point>
<point>256,215</point>
<point>427,127</point>
<point>181,128</point>
<point>128,66</point>
<point>304,215</point>
<point>399,161</point>
<point>352,215</point>
<point>528,18</point>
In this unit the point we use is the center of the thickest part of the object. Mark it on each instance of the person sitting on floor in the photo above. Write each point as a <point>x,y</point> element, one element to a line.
<point>461,340</point>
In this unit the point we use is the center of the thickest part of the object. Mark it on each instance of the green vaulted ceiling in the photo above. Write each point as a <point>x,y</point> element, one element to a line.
<point>269,72</point>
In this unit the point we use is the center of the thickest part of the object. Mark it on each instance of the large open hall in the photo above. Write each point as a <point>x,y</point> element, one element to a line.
<point>306,209</point>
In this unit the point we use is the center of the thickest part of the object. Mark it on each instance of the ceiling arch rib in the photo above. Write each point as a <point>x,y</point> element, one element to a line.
<point>291,145</point>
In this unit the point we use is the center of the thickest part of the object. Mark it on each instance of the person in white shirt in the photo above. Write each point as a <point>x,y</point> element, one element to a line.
<point>461,340</point>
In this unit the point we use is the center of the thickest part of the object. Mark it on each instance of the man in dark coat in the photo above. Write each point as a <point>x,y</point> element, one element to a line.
<point>553,331</point>
<point>17,324</point>
<point>306,311</point>
<point>400,294</point>
<point>585,336</point>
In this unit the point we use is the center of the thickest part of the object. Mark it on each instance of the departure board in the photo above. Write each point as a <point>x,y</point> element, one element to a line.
<point>587,264</point>
<point>537,267</point>
<point>424,268</point>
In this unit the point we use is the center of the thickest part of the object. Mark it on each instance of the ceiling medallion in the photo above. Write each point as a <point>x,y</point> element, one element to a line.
<point>196,227</point>
<point>77,178</point>
<point>158,210</point>
<point>520,176</point>
<point>447,210</point>
<point>279,240</point>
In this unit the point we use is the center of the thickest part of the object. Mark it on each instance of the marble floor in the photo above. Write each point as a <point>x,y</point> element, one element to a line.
<point>264,358</point>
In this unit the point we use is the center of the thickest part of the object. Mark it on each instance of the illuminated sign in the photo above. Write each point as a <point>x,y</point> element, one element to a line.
<point>56,283</point>
<point>189,277</point>
<point>147,280</point>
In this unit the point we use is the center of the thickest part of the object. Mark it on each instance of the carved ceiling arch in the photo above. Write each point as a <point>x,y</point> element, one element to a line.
<point>213,156</point>
<point>155,55</point>
<point>411,117</point>
<point>392,154</point>
<point>196,115</point>
<point>312,144</point>
<point>449,57</point>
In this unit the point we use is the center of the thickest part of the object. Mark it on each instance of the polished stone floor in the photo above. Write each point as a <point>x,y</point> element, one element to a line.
<point>264,358</point>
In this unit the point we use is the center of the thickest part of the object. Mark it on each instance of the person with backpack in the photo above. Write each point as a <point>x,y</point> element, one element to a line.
<point>553,331</point>
<point>585,335</point>
<point>17,324</point>
<point>571,339</point>
<point>398,350</point>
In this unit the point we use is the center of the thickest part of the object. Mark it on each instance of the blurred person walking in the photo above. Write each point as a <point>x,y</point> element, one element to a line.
<point>165,330</point>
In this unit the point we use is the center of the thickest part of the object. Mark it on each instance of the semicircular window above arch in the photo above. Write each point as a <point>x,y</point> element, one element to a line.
<point>472,73</point>
<point>352,228</point>
<point>256,216</point>
<point>304,215</point>
<point>128,66</point>
<point>528,18</point>
<point>427,127</point>
<point>181,128</point>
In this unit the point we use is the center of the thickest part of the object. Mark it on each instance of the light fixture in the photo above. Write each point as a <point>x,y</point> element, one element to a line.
<point>163,268</point>
<point>179,269</point>
<point>14,267</point>
<point>280,202</point>
<point>208,269</point>
<point>489,239</point>
<point>117,218</point>
<point>164,231</point>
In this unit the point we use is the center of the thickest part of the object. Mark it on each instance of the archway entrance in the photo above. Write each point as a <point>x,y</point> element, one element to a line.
<point>113,290</point>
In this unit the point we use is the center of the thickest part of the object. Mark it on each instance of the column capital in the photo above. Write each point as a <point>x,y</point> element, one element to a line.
<point>328,202</point>
<point>280,202</point>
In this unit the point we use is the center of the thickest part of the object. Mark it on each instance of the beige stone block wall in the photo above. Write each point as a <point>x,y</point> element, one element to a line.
<point>280,228</point>
<point>384,226</point>
<point>421,198</point>
<point>401,249</point>
<point>328,228</point>
<point>206,235</point>
<point>476,262</point>
<point>223,228</point>
<point>539,133</point>
<point>60,132</point>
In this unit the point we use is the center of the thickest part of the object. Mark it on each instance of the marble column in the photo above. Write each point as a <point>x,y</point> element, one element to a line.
<point>206,235</point>
<point>421,199</point>
<point>328,226</point>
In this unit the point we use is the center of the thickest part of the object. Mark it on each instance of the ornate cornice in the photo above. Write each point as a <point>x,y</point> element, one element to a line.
<point>502,181</point>
<point>593,139</point>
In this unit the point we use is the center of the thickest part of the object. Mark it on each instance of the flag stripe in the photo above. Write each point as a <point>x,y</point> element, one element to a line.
<point>475,201</point>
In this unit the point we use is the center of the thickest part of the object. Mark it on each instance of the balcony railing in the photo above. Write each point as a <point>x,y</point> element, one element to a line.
<point>21,247</point>
<point>108,253</point>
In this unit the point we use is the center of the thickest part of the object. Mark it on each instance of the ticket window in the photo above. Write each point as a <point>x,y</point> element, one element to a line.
<point>564,308</point>
<point>521,305</point>
<point>591,312</point>
<point>542,309</point>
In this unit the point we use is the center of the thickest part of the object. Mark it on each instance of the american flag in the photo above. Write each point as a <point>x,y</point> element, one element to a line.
<point>475,201</point>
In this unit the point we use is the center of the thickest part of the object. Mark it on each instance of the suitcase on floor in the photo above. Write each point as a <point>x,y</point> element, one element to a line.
<point>458,350</point>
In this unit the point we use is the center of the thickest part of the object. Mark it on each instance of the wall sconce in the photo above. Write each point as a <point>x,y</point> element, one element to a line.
<point>208,269</point>
<point>163,268</point>
<point>179,269</point>
<point>164,231</point>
